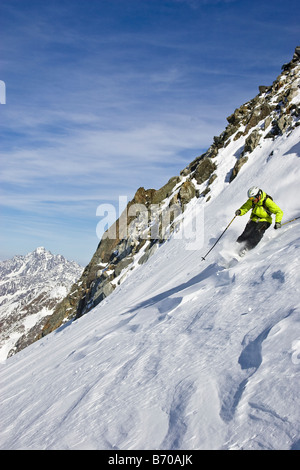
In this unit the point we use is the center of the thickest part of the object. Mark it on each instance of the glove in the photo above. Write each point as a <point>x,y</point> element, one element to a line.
<point>277,225</point>
<point>238,212</point>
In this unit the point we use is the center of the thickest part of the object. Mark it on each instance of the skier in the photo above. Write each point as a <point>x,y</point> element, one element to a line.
<point>262,207</point>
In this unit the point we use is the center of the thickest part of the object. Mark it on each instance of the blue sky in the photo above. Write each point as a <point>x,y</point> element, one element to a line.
<point>105,96</point>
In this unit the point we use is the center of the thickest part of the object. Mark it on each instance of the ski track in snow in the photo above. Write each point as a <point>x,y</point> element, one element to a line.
<point>186,354</point>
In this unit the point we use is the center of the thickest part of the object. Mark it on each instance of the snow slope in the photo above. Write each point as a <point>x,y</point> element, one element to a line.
<point>186,353</point>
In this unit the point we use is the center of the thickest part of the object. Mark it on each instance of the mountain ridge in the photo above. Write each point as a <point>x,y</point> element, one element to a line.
<point>270,114</point>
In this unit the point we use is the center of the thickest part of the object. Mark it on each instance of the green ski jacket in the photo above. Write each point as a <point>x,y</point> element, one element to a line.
<point>262,210</point>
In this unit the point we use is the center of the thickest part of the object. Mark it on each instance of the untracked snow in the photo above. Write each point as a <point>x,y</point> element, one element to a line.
<point>186,353</point>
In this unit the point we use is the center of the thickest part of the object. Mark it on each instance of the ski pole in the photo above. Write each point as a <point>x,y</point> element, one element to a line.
<point>290,220</point>
<point>203,257</point>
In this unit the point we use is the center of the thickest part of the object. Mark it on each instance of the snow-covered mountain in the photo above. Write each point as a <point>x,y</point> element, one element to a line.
<point>30,288</point>
<point>184,352</point>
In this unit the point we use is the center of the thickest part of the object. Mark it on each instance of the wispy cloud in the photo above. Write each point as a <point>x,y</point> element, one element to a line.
<point>86,156</point>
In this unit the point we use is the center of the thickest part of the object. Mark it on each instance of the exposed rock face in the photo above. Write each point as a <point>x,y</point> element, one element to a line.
<point>204,170</point>
<point>152,215</point>
<point>251,142</point>
<point>272,111</point>
<point>296,55</point>
<point>239,163</point>
<point>187,192</point>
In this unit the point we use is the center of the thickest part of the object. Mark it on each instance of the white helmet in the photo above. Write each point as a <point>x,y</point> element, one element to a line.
<point>253,191</point>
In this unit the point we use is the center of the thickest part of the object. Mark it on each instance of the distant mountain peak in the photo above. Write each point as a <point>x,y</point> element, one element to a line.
<point>30,288</point>
<point>40,250</point>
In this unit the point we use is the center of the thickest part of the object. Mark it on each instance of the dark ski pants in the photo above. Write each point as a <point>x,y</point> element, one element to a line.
<point>253,233</point>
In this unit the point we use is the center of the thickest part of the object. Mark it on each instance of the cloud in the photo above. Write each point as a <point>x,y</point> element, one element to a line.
<point>90,157</point>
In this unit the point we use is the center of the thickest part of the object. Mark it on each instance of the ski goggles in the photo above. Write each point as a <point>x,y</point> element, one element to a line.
<point>255,198</point>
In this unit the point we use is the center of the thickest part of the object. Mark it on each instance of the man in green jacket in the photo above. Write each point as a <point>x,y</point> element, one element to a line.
<point>262,207</point>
